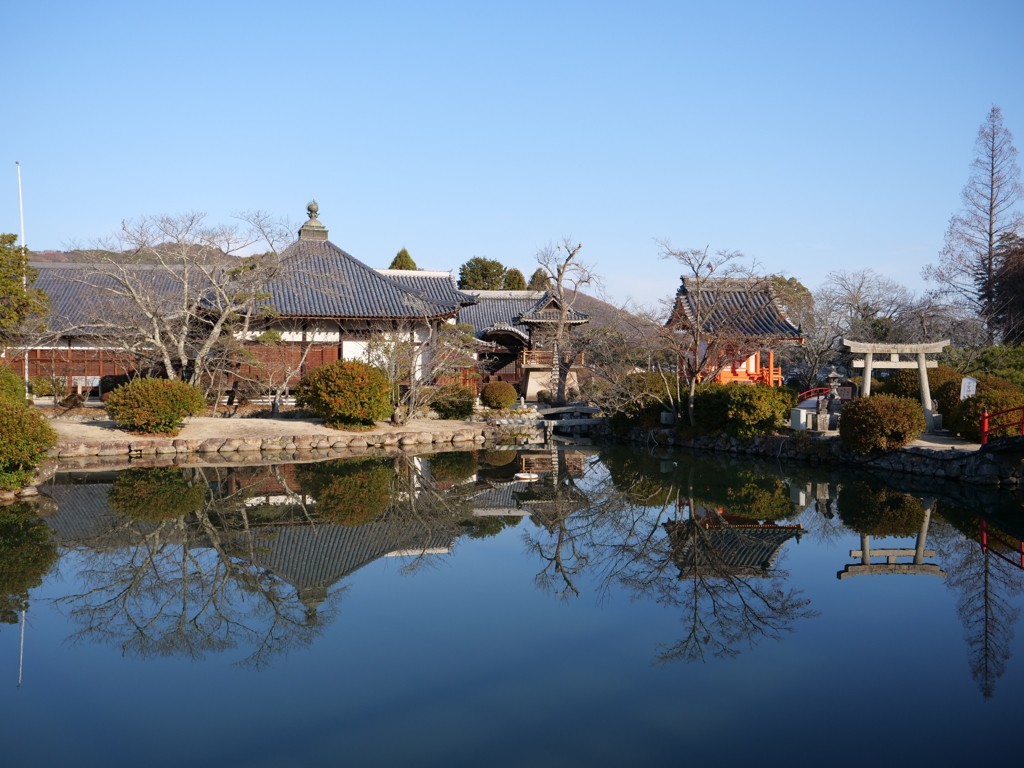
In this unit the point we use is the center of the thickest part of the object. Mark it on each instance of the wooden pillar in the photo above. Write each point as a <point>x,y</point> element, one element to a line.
<point>771,368</point>
<point>865,390</point>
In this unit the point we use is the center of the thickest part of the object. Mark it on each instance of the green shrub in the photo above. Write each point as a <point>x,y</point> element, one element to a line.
<point>453,401</point>
<point>877,511</point>
<point>498,458</point>
<point>25,436</point>
<point>346,394</point>
<point>880,423</point>
<point>41,386</point>
<point>965,417</point>
<point>544,396</point>
<point>452,466</point>
<point>947,394</point>
<point>12,387</point>
<point>498,394</point>
<point>906,383</point>
<point>28,550</point>
<point>742,410</point>
<point>348,492</point>
<point>154,406</point>
<point>154,494</point>
<point>877,385</point>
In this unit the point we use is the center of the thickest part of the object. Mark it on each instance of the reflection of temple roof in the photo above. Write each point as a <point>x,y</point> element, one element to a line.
<point>308,556</point>
<point>304,555</point>
<point>83,518</point>
<point>500,499</point>
<point>727,551</point>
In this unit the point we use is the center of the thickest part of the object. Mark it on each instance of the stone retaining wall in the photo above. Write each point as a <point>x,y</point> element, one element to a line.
<point>981,467</point>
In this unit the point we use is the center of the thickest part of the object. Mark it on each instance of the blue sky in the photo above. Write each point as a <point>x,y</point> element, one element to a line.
<point>810,136</point>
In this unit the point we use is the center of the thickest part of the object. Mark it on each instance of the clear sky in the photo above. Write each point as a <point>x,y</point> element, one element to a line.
<point>811,136</point>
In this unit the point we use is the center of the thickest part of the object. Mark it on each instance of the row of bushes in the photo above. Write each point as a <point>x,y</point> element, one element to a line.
<point>737,410</point>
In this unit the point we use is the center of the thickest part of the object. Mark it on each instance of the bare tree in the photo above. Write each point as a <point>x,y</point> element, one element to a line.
<point>567,275</point>
<point>416,357</point>
<point>712,329</point>
<point>969,262</point>
<point>172,292</point>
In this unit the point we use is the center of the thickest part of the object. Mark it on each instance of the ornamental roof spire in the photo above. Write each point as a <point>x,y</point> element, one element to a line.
<point>313,229</point>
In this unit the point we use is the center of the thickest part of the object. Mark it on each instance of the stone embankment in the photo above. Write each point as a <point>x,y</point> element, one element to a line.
<point>992,465</point>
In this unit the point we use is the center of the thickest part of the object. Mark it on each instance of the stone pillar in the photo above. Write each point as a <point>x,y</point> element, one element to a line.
<point>865,390</point>
<point>922,536</point>
<point>865,549</point>
<point>926,395</point>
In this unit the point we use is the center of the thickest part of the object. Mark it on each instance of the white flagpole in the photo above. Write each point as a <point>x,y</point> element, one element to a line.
<point>24,277</point>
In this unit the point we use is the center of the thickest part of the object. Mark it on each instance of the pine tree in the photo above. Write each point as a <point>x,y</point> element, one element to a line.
<point>539,281</point>
<point>482,274</point>
<point>403,260</point>
<point>514,280</point>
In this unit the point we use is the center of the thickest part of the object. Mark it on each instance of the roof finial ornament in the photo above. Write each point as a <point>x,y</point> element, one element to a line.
<point>313,229</point>
<point>312,209</point>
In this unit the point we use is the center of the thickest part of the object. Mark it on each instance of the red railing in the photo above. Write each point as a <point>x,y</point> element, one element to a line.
<point>816,392</point>
<point>986,534</point>
<point>987,426</point>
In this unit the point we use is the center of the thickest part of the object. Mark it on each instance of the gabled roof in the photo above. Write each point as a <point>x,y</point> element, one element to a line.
<point>546,311</point>
<point>513,312</point>
<point>742,307</point>
<point>439,286</point>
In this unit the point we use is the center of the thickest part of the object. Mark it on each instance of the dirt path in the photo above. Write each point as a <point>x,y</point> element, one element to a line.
<point>205,428</point>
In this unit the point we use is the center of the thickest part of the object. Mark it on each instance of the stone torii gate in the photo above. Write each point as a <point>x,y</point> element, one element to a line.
<point>869,363</point>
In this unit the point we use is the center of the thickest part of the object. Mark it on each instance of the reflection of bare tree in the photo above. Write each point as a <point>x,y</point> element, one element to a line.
<point>985,585</point>
<point>644,531</point>
<point>726,584</point>
<point>189,585</point>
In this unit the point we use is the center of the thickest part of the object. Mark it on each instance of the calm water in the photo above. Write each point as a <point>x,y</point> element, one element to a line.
<point>625,609</point>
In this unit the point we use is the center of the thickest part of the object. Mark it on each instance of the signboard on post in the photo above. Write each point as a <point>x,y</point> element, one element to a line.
<point>968,387</point>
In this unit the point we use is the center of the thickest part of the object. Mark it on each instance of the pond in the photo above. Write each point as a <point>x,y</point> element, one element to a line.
<point>624,608</point>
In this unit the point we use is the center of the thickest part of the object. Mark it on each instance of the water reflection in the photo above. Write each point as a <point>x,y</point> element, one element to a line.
<point>255,559</point>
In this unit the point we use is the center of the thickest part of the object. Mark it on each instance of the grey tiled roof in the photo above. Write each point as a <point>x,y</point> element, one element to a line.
<point>77,296</point>
<point>440,286</point>
<point>743,307</point>
<point>500,311</point>
<point>321,280</point>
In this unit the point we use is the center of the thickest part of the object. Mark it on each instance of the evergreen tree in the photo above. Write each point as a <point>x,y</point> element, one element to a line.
<point>539,281</point>
<point>514,280</point>
<point>16,301</point>
<point>482,274</point>
<point>403,260</point>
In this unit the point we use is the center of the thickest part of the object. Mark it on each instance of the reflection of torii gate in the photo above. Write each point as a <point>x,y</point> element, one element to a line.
<point>919,553</point>
<point>869,363</point>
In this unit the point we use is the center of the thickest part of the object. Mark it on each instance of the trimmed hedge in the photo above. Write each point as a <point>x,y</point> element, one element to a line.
<point>880,423</point>
<point>947,395</point>
<point>25,436</point>
<point>155,494</point>
<point>347,492</point>
<point>875,511</point>
<point>742,410</point>
<point>906,383</point>
<point>498,394</point>
<point>453,466</point>
<point>346,394</point>
<point>154,406</point>
<point>965,417</point>
<point>498,458</point>
<point>453,401</point>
